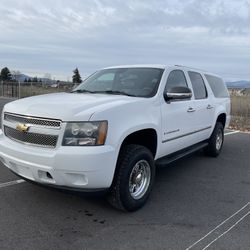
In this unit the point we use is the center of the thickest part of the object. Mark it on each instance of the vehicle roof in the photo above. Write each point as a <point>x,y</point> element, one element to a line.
<point>161,66</point>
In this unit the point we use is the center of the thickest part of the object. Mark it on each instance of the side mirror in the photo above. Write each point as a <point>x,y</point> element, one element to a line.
<point>178,93</point>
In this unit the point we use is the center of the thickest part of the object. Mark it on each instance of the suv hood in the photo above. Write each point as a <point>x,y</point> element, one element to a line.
<point>67,106</point>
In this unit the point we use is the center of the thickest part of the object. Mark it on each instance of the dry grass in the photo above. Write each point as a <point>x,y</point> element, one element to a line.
<point>38,90</point>
<point>12,90</point>
<point>240,113</point>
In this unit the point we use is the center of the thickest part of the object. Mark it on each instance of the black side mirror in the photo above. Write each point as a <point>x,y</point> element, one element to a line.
<point>178,93</point>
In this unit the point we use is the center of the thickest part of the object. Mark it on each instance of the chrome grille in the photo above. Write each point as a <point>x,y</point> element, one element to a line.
<point>32,120</point>
<point>31,138</point>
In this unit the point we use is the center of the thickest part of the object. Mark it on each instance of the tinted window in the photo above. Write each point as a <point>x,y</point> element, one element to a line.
<point>106,77</point>
<point>198,84</point>
<point>141,82</point>
<point>217,85</point>
<point>176,78</point>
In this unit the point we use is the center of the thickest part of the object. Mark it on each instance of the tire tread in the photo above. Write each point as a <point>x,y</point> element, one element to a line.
<point>114,197</point>
<point>211,148</point>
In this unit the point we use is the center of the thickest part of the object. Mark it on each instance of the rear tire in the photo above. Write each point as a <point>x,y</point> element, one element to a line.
<point>216,140</point>
<point>134,178</point>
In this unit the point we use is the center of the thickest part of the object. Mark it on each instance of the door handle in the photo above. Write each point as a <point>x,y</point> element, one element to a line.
<point>209,106</point>
<point>190,110</point>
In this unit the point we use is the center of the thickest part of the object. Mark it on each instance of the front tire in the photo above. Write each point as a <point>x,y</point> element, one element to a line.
<point>216,140</point>
<point>134,178</point>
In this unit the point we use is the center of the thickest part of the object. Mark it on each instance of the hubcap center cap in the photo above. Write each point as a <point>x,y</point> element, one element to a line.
<point>219,141</point>
<point>138,178</point>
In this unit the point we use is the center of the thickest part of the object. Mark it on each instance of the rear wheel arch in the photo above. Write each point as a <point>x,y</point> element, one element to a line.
<point>222,119</point>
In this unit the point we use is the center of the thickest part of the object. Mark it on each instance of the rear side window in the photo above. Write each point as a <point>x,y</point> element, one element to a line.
<point>198,84</point>
<point>176,78</point>
<point>217,85</point>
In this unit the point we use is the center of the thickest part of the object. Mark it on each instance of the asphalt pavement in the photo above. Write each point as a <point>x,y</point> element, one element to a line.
<point>197,203</point>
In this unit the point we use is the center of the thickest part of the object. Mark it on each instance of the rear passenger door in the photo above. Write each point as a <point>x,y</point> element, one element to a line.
<point>203,108</point>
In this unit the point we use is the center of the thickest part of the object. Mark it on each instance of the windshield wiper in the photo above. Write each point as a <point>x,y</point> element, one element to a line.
<point>82,91</point>
<point>115,92</point>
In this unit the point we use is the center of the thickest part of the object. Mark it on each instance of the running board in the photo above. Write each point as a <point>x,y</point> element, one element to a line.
<point>164,161</point>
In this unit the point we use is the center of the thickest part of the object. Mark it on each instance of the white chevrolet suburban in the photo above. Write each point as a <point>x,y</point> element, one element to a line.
<point>113,129</point>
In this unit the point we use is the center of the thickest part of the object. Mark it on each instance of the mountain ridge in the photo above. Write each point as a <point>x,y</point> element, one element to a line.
<point>243,84</point>
<point>22,77</point>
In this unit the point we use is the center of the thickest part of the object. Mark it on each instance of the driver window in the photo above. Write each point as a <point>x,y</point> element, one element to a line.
<point>176,78</point>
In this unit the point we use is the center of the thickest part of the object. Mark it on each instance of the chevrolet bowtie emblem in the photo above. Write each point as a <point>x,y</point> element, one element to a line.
<point>22,127</point>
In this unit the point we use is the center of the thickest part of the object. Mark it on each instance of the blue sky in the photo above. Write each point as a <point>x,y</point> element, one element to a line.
<point>42,36</point>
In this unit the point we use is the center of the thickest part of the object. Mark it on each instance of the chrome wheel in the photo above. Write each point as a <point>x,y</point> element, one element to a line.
<point>139,179</point>
<point>219,140</point>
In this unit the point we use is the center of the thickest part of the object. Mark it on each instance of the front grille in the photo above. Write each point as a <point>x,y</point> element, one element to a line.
<point>32,120</point>
<point>31,138</point>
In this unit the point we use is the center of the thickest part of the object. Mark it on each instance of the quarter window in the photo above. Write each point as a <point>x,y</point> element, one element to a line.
<point>217,85</point>
<point>198,84</point>
<point>176,78</point>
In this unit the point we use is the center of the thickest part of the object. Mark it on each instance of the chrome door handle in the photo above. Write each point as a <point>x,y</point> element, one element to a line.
<point>209,106</point>
<point>191,110</point>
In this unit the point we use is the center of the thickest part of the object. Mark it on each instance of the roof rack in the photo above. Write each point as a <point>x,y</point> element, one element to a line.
<point>177,65</point>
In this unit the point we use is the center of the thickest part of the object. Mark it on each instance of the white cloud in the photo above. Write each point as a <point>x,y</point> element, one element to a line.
<point>56,36</point>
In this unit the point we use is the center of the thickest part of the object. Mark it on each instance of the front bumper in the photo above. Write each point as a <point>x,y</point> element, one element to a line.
<point>71,167</point>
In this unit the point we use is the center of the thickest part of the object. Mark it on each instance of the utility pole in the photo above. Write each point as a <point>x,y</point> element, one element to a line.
<point>19,90</point>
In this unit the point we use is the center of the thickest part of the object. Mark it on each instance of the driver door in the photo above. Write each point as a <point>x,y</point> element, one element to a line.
<point>178,117</point>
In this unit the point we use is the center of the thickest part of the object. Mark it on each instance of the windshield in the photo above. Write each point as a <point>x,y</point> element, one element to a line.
<point>140,82</point>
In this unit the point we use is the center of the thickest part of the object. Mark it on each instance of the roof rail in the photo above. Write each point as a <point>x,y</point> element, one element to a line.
<point>190,68</point>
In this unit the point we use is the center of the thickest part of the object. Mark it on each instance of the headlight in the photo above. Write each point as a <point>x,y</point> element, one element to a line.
<point>85,133</point>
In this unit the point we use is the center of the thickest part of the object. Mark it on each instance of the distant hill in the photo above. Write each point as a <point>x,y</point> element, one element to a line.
<point>239,84</point>
<point>22,78</point>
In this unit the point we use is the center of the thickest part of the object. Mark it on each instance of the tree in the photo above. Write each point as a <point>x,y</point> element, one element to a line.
<point>76,77</point>
<point>25,80</point>
<point>5,74</point>
<point>35,79</point>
